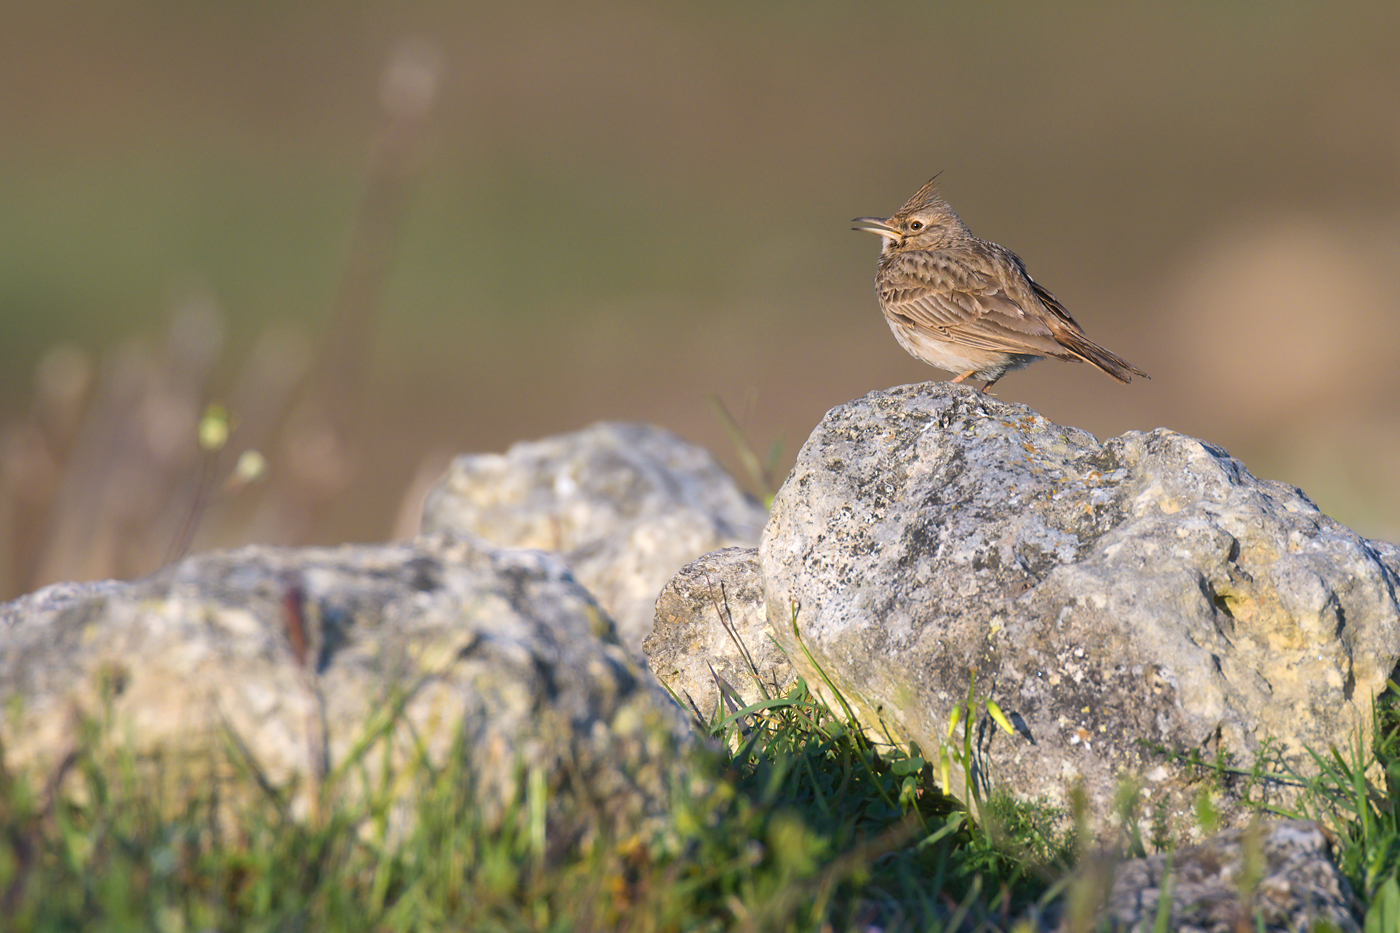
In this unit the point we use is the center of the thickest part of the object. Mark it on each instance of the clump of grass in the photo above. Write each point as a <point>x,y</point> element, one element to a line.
<point>762,471</point>
<point>1356,795</point>
<point>805,824</point>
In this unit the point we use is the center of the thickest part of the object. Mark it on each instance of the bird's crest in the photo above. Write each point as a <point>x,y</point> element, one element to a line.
<point>924,197</point>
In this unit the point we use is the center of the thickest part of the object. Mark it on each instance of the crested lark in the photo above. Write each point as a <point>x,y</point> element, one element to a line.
<point>967,305</point>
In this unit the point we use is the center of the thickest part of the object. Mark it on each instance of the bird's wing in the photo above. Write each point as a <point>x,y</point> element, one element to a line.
<point>959,294</point>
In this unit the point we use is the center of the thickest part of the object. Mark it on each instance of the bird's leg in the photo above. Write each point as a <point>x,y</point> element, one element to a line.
<point>972,372</point>
<point>988,384</point>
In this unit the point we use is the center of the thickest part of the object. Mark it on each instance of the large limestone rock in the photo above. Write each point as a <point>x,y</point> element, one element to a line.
<point>1110,596</point>
<point>627,505</point>
<point>300,653</point>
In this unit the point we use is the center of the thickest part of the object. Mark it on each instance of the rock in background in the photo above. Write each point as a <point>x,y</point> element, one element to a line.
<point>299,653</point>
<point>1276,876</point>
<point>627,505</point>
<point>712,628</point>
<point>1146,590</point>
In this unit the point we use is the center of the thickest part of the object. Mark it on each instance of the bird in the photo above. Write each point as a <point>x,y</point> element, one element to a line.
<point>967,305</point>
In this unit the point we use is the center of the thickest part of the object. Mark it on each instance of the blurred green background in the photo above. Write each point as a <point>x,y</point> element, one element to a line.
<point>614,210</point>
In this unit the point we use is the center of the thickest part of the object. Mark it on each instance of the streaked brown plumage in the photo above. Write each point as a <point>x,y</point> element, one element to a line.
<point>967,305</point>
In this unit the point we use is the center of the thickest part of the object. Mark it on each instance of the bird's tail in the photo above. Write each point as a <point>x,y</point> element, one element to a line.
<point>1074,340</point>
<point>1068,334</point>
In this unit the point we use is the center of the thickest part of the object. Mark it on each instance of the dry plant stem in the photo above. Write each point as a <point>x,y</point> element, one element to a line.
<point>726,618</point>
<point>32,453</point>
<point>378,226</point>
<point>319,434</point>
<point>125,488</point>
<point>180,544</point>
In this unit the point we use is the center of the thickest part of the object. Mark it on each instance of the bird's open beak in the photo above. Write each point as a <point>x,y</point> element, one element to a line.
<point>878,226</point>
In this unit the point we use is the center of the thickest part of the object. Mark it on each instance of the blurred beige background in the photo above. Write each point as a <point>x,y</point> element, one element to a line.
<point>559,213</point>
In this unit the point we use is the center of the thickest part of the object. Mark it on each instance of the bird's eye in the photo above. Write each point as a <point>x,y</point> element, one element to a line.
<point>916,225</point>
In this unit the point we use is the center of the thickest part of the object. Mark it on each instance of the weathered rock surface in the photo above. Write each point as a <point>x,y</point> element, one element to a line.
<point>1146,589</point>
<point>1279,872</point>
<point>627,505</point>
<point>296,652</point>
<point>711,622</point>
